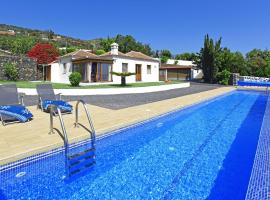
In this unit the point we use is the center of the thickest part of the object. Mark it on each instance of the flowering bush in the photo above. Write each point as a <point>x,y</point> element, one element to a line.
<point>44,53</point>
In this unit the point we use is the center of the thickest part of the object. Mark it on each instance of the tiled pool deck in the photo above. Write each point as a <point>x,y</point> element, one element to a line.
<point>259,184</point>
<point>26,139</point>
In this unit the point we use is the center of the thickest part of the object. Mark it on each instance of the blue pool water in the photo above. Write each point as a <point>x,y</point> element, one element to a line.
<point>202,152</point>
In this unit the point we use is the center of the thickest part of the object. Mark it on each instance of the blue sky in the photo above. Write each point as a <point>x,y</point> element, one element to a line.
<point>170,24</point>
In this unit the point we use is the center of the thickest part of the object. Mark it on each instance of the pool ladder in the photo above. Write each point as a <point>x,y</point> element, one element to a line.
<point>78,162</point>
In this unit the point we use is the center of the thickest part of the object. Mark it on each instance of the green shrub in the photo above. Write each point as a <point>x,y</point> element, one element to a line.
<point>100,51</point>
<point>164,59</point>
<point>223,77</point>
<point>75,79</point>
<point>11,71</point>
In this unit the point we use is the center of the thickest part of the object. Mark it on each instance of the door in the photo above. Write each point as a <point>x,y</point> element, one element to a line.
<point>162,74</point>
<point>48,73</point>
<point>94,72</point>
<point>138,72</point>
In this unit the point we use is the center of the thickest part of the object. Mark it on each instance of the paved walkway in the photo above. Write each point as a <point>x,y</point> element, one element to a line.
<point>108,91</point>
<point>25,139</point>
<point>127,100</point>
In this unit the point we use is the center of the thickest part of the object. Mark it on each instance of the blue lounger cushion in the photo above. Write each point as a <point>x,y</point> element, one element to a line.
<point>64,106</point>
<point>253,83</point>
<point>19,112</point>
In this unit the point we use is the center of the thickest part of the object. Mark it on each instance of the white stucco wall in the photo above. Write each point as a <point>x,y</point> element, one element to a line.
<point>196,73</point>
<point>58,75</point>
<point>180,62</point>
<point>153,77</point>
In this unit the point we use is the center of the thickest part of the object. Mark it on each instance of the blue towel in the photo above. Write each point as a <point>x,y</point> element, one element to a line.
<point>64,106</point>
<point>19,112</point>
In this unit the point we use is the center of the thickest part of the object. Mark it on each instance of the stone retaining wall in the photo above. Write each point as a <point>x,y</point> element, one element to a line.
<point>27,67</point>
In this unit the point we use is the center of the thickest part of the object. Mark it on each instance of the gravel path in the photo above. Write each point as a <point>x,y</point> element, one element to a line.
<point>127,100</point>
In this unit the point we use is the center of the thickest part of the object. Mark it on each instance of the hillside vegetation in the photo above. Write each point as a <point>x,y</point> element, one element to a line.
<point>25,38</point>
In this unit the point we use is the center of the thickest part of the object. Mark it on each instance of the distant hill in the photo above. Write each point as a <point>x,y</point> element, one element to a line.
<point>20,40</point>
<point>48,35</point>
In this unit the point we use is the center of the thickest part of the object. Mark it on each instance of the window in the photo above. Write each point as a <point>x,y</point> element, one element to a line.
<point>70,68</point>
<point>124,67</point>
<point>64,68</point>
<point>105,72</point>
<point>148,69</point>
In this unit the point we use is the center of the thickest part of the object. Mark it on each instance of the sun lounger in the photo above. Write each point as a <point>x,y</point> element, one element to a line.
<point>47,97</point>
<point>11,105</point>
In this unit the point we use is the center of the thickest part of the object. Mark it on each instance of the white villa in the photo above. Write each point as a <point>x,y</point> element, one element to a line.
<point>94,68</point>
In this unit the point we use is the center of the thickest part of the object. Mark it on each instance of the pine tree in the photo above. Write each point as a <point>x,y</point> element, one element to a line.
<point>208,55</point>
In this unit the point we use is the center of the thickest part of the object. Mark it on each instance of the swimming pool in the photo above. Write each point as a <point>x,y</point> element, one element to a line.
<point>205,151</point>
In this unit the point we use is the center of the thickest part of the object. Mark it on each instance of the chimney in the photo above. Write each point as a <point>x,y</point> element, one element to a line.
<point>114,49</point>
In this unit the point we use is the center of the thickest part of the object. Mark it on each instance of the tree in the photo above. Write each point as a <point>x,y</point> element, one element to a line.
<point>224,77</point>
<point>44,53</point>
<point>208,56</point>
<point>233,62</point>
<point>186,56</point>
<point>165,53</point>
<point>156,54</point>
<point>105,44</point>
<point>100,52</point>
<point>21,45</point>
<point>126,43</point>
<point>258,62</point>
<point>163,59</point>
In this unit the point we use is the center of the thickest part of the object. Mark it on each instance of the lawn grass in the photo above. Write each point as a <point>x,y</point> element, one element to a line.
<point>28,84</point>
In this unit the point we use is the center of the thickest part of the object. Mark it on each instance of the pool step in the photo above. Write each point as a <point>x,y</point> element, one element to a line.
<point>82,154</point>
<point>81,161</point>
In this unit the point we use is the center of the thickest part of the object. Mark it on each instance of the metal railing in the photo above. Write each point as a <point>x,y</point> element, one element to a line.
<point>92,129</point>
<point>54,108</point>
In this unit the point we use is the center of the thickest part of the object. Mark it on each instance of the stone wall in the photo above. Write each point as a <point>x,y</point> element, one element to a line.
<point>27,67</point>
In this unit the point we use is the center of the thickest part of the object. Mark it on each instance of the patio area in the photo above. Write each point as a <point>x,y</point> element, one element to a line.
<point>22,140</point>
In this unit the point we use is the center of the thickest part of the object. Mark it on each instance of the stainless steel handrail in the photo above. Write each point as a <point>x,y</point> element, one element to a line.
<point>65,137</point>
<point>92,131</point>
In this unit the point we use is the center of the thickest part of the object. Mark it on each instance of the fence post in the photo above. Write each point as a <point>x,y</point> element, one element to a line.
<point>235,78</point>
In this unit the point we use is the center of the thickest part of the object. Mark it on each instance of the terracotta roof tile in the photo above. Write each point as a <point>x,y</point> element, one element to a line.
<point>81,54</point>
<point>131,54</point>
<point>84,54</point>
<point>109,54</point>
<point>136,54</point>
<point>172,66</point>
